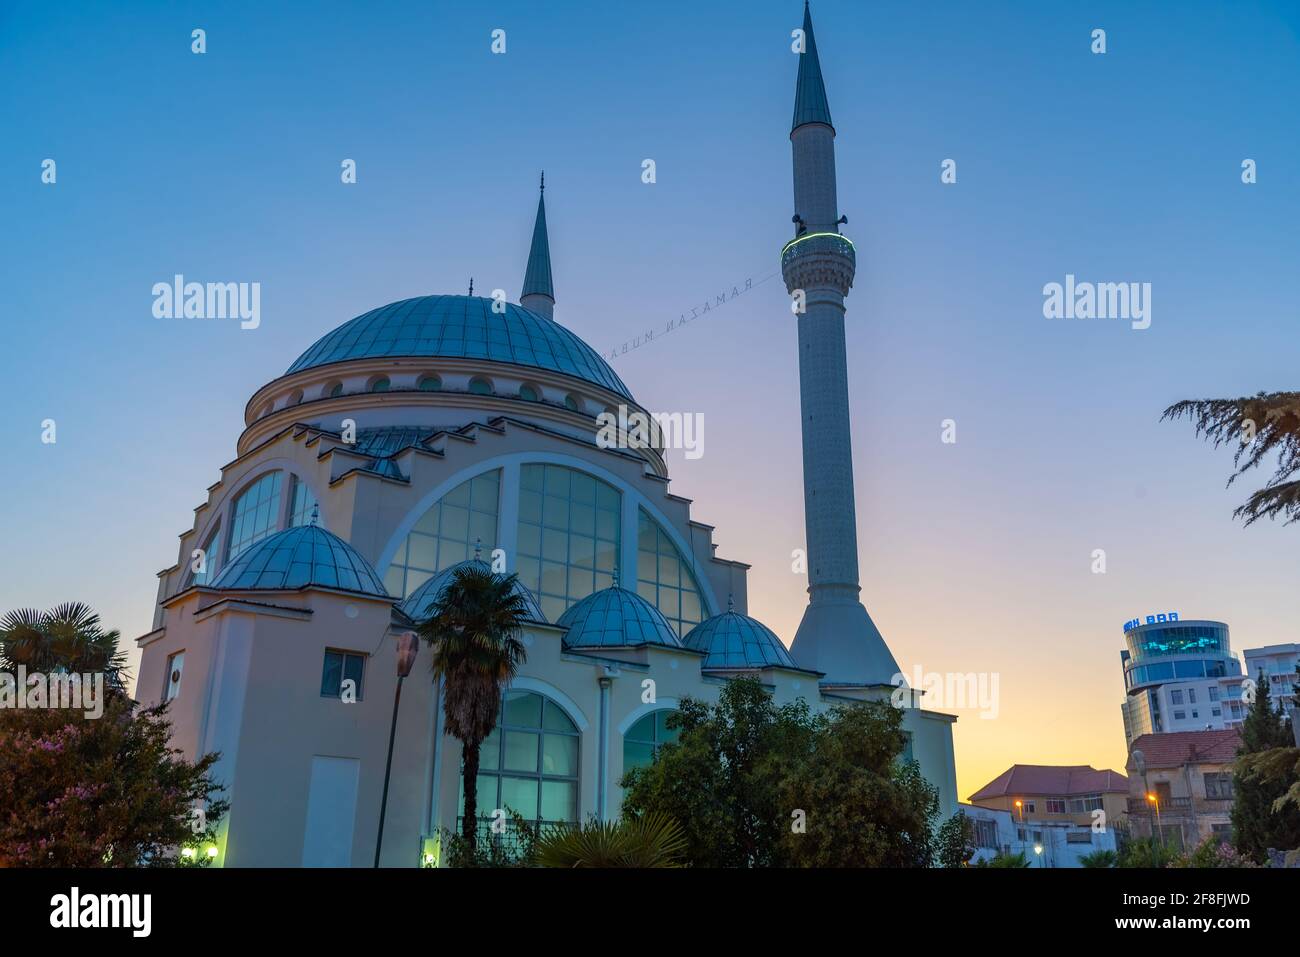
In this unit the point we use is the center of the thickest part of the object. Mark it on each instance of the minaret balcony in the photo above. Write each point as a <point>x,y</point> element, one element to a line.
<point>823,258</point>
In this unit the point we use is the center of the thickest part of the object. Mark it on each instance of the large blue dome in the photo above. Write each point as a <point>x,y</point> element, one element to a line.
<point>732,640</point>
<point>615,618</point>
<point>462,327</point>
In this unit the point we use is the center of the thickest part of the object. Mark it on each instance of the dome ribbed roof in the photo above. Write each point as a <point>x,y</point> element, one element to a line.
<point>733,640</point>
<point>614,617</point>
<point>417,605</point>
<point>462,327</point>
<point>299,557</point>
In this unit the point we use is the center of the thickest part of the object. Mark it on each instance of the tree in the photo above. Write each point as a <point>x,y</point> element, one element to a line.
<point>1102,858</point>
<point>652,840</point>
<point>100,792</point>
<point>474,634</point>
<point>67,638</point>
<point>1261,815</point>
<point>1256,427</point>
<point>1018,859</point>
<point>760,785</point>
<point>1146,852</point>
<point>955,842</point>
<point>865,808</point>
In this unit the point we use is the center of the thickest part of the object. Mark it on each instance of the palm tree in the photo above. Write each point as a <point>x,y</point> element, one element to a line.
<point>1257,426</point>
<point>67,638</point>
<point>474,634</point>
<point>652,840</point>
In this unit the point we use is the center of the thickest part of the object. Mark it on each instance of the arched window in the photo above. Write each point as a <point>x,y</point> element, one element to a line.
<point>447,533</point>
<point>572,403</point>
<point>301,503</point>
<point>529,763</point>
<point>211,560</point>
<point>380,384</point>
<point>333,389</point>
<point>528,393</point>
<point>480,386</point>
<point>429,383</point>
<point>664,578</point>
<point>568,535</point>
<point>644,739</point>
<point>295,397</point>
<point>255,514</point>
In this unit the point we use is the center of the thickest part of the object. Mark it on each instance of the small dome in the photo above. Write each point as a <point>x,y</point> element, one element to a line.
<point>732,640</point>
<point>418,604</point>
<point>614,617</point>
<point>298,557</point>
<point>462,327</point>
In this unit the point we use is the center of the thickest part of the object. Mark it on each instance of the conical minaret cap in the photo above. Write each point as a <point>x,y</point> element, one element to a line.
<point>537,278</point>
<point>810,105</point>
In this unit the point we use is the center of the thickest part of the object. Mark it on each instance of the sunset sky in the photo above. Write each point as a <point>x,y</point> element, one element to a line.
<point>976,556</point>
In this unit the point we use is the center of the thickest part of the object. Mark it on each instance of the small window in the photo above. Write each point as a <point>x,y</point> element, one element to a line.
<point>380,384</point>
<point>430,383</point>
<point>1180,715</point>
<point>266,410</point>
<point>175,666</point>
<point>295,397</point>
<point>1055,806</point>
<point>341,666</point>
<point>572,404</point>
<point>1191,696</point>
<point>1175,697</point>
<point>334,389</point>
<point>1214,694</point>
<point>527,393</point>
<point>480,386</point>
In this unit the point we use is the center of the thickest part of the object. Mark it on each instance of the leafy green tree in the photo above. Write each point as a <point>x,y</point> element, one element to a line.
<point>720,777</point>
<point>1018,859</point>
<point>66,638</point>
<point>1256,428</point>
<point>1261,816</point>
<point>955,841</point>
<point>1146,852</point>
<point>1212,853</point>
<point>474,631</point>
<point>760,785</point>
<point>864,808</point>
<point>1102,858</point>
<point>100,792</point>
<point>653,840</point>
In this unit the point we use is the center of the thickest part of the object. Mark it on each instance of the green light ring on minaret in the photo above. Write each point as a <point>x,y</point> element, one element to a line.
<point>807,236</point>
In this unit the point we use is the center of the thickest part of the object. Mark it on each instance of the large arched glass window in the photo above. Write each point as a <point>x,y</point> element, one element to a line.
<point>255,515</point>
<point>447,533</point>
<point>301,503</point>
<point>529,763</point>
<point>644,739</point>
<point>664,578</point>
<point>568,535</point>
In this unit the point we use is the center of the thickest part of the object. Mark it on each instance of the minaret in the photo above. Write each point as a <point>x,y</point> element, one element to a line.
<point>539,294</point>
<point>836,636</point>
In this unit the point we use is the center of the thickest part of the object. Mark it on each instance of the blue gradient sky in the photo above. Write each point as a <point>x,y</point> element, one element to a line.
<point>975,556</point>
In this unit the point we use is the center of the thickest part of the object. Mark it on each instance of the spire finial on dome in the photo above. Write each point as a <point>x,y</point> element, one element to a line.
<point>315,512</point>
<point>471,285</point>
<point>539,291</point>
<point>478,549</point>
<point>731,602</point>
<point>615,576</point>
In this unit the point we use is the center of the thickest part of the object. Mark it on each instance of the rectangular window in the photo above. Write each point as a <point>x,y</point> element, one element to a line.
<point>175,665</point>
<point>1218,786</point>
<point>1055,805</point>
<point>1180,715</point>
<point>1214,694</point>
<point>1191,696</point>
<point>1175,697</point>
<point>340,667</point>
<point>1078,837</point>
<point>986,834</point>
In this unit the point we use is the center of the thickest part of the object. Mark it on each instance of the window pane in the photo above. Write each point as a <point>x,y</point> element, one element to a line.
<point>559,801</point>
<point>489,752</point>
<point>523,709</point>
<point>637,754</point>
<point>521,751</point>
<point>332,674</point>
<point>354,669</point>
<point>643,730</point>
<point>449,531</point>
<point>560,755</point>
<point>557,720</point>
<point>520,795</point>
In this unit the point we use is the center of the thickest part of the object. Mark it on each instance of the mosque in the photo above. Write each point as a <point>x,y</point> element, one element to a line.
<point>440,430</point>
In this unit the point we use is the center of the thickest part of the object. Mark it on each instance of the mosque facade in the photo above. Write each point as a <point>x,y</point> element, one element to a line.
<point>441,430</point>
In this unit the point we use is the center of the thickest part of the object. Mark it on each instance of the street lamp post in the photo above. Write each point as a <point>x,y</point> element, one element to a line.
<point>408,645</point>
